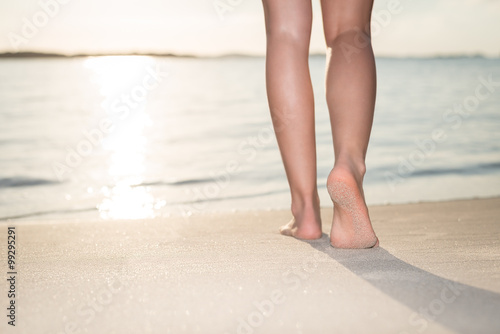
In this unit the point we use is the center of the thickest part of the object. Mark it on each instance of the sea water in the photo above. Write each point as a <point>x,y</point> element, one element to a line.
<point>142,137</point>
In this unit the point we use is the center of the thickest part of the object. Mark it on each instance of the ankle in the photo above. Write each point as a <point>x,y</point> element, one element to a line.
<point>305,206</point>
<point>356,168</point>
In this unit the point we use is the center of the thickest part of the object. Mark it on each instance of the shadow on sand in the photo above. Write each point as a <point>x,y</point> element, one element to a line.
<point>459,307</point>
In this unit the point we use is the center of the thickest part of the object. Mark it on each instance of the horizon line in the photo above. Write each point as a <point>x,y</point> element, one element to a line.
<point>38,54</point>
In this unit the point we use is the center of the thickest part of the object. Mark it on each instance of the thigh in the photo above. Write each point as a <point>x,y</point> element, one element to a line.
<point>288,17</point>
<point>344,15</point>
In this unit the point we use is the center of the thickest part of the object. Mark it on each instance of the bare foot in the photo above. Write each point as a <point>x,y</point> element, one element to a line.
<point>306,224</point>
<point>351,226</point>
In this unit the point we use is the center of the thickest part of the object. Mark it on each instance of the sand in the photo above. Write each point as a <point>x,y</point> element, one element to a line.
<point>437,271</point>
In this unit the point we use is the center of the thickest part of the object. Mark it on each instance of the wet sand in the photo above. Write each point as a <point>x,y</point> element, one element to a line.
<point>437,271</point>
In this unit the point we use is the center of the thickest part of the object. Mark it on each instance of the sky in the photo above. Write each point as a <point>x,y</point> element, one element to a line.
<point>217,27</point>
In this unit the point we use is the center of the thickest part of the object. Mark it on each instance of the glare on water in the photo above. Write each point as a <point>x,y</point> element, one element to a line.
<point>123,83</point>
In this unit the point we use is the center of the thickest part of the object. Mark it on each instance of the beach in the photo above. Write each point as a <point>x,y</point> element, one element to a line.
<point>437,270</point>
<point>150,153</point>
<point>159,213</point>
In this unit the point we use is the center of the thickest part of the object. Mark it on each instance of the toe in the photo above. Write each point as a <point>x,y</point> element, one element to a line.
<point>286,230</point>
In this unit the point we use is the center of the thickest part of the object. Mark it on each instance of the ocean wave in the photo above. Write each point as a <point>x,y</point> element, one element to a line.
<point>379,173</point>
<point>15,182</point>
<point>173,182</point>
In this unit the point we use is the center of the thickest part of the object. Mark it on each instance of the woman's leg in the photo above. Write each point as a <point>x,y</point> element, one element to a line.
<point>350,94</point>
<point>291,100</point>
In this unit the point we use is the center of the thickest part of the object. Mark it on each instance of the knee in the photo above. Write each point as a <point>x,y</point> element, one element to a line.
<point>297,33</point>
<point>349,34</point>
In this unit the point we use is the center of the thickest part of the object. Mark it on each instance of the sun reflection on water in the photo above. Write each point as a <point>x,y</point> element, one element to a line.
<point>121,82</point>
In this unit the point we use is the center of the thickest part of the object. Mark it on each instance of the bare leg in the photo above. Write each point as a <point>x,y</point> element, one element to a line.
<point>350,90</point>
<point>291,100</point>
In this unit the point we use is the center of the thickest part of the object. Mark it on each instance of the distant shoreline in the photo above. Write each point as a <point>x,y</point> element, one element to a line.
<point>30,54</point>
<point>60,55</point>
